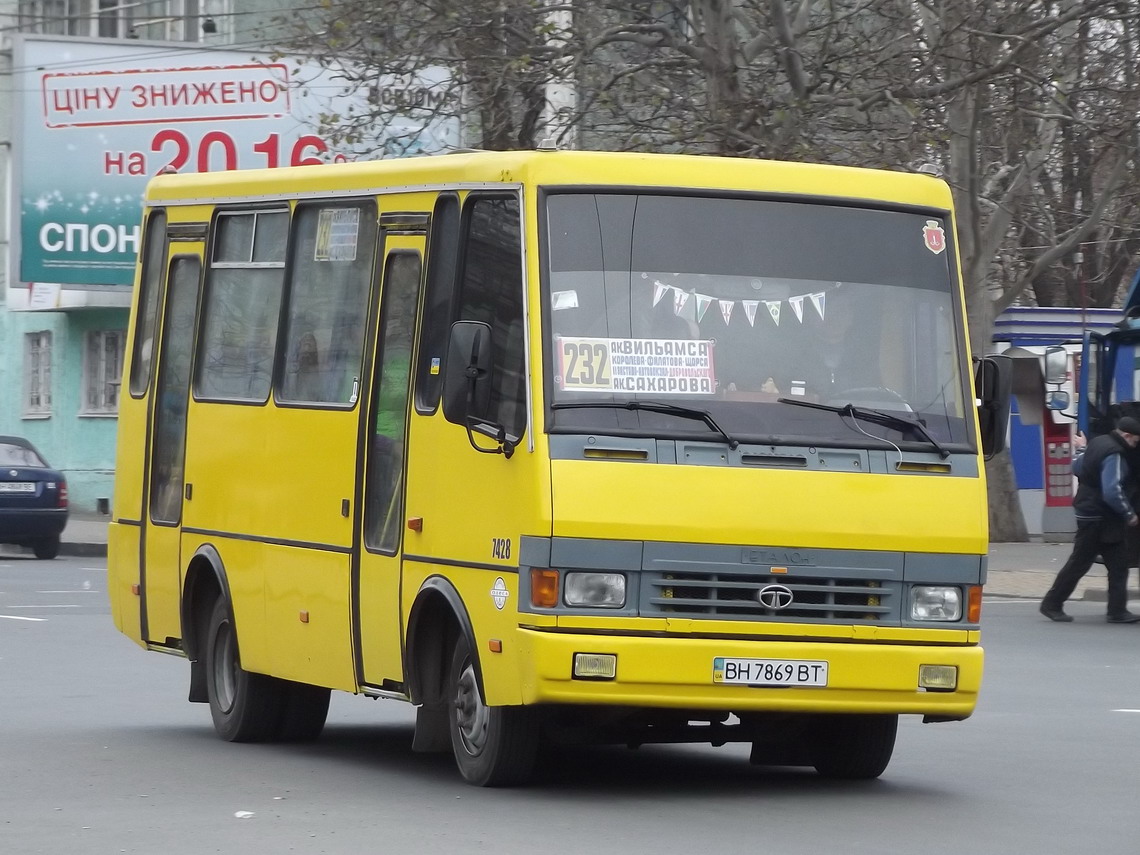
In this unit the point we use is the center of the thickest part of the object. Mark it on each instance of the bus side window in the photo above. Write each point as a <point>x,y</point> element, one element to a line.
<point>330,275</point>
<point>384,501</point>
<point>172,391</point>
<point>242,306</point>
<point>154,265</point>
<point>491,290</point>
<point>439,301</point>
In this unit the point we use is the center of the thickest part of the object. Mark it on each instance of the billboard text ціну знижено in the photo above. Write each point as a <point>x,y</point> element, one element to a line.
<point>99,119</point>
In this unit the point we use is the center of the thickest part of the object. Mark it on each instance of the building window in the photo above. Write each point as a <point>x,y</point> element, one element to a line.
<point>102,371</point>
<point>162,20</point>
<point>37,374</point>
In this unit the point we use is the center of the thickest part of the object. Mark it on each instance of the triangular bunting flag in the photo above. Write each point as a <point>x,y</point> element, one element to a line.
<point>750,310</point>
<point>726,310</point>
<point>680,299</point>
<point>817,300</point>
<point>797,304</point>
<point>703,304</point>
<point>773,310</point>
<point>658,291</point>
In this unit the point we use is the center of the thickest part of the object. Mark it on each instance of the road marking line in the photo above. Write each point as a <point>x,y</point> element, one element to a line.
<point>999,599</point>
<point>18,617</point>
<point>85,591</point>
<point>68,606</point>
<point>1126,710</point>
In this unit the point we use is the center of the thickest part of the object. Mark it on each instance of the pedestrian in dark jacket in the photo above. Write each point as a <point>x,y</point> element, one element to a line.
<point>1104,514</point>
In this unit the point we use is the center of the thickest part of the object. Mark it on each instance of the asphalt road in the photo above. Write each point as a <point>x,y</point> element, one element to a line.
<point>101,753</point>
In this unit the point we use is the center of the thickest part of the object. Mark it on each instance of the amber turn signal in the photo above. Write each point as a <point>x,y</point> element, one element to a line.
<point>974,604</point>
<point>543,588</point>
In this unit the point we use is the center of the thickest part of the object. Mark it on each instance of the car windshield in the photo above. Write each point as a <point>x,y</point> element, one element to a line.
<point>15,454</point>
<point>742,308</point>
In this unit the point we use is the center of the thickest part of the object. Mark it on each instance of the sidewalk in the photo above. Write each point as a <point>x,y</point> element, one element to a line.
<point>1015,569</point>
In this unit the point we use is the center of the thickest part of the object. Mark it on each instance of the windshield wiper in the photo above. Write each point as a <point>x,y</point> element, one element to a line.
<point>653,407</point>
<point>877,417</point>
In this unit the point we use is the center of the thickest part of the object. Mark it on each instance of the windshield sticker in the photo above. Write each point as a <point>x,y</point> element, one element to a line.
<point>563,300</point>
<point>338,233</point>
<point>652,365</point>
<point>934,236</point>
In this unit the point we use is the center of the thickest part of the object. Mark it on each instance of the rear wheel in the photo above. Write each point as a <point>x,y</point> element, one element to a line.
<point>303,717</point>
<point>493,746</point>
<point>46,547</point>
<point>853,747</point>
<point>245,707</point>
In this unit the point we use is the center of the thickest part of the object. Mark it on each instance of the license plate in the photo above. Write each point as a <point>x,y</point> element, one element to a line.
<point>769,672</point>
<point>17,487</point>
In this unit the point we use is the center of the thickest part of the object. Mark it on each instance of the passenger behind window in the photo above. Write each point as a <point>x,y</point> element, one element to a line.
<point>306,385</point>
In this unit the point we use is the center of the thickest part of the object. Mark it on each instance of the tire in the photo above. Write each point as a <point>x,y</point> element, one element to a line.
<point>304,712</point>
<point>493,746</point>
<point>46,548</point>
<point>853,747</point>
<point>245,707</point>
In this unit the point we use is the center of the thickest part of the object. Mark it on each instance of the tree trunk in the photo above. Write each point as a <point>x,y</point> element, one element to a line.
<point>1007,522</point>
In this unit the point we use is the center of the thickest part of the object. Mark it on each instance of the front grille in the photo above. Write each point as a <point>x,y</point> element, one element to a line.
<point>736,596</point>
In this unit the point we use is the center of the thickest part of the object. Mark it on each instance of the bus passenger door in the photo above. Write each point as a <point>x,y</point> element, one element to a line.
<point>166,445</point>
<point>385,454</point>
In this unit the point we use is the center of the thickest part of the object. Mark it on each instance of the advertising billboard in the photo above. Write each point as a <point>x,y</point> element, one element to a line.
<point>96,119</point>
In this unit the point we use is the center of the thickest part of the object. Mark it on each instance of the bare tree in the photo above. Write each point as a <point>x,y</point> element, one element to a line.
<point>1029,106</point>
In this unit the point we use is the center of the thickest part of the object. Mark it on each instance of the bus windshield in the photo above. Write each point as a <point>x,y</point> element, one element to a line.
<point>744,308</point>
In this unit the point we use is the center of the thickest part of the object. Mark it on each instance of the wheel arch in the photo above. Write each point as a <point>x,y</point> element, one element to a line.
<point>205,581</point>
<point>438,618</point>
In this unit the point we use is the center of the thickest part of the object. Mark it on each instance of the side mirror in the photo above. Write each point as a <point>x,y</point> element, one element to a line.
<point>467,376</point>
<point>1056,366</point>
<point>993,382</point>
<point>1058,401</point>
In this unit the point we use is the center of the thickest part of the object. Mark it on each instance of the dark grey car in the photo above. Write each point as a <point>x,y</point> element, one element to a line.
<point>33,498</point>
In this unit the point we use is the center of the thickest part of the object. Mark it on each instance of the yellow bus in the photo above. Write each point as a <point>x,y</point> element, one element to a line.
<point>559,445</point>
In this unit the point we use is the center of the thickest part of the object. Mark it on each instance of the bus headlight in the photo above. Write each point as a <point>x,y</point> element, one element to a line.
<point>936,602</point>
<point>594,590</point>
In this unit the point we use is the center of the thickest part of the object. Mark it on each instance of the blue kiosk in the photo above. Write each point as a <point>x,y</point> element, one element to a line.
<point>1040,439</point>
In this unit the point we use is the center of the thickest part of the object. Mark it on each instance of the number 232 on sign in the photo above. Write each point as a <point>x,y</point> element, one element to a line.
<point>584,363</point>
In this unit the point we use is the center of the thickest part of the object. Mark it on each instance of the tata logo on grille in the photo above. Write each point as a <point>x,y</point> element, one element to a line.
<point>775,596</point>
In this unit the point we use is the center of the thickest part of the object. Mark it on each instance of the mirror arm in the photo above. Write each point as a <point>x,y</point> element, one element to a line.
<point>506,446</point>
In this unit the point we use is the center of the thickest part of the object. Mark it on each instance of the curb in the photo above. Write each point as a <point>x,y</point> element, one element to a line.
<point>84,550</point>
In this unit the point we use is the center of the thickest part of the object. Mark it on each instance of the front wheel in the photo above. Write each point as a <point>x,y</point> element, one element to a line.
<point>853,747</point>
<point>493,746</point>
<point>245,707</point>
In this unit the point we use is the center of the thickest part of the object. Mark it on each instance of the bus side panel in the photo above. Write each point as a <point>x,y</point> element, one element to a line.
<point>307,616</point>
<point>124,539</point>
<point>122,574</point>
<point>283,490</point>
<point>475,508</point>
<point>271,472</point>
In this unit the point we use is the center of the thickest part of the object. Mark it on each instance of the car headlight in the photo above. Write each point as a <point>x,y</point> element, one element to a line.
<point>594,590</point>
<point>936,602</point>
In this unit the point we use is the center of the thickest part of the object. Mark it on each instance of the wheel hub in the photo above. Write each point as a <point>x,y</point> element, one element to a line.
<point>471,714</point>
<point>225,668</point>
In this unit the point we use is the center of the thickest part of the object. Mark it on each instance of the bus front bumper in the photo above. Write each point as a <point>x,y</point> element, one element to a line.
<point>684,673</point>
